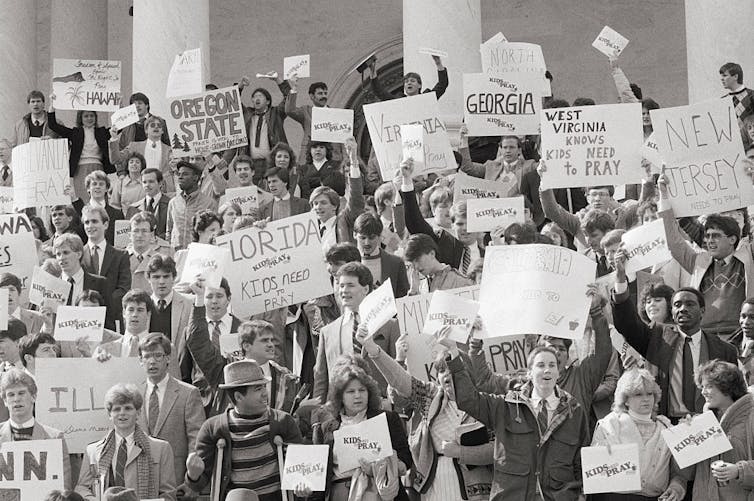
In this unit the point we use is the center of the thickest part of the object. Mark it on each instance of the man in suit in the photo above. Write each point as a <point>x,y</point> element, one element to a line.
<point>339,337</point>
<point>156,153</point>
<point>19,392</point>
<point>154,201</point>
<point>137,311</point>
<point>367,230</point>
<point>98,185</point>
<point>69,251</point>
<point>101,258</point>
<point>283,204</point>
<point>675,350</point>
<point>509,167</point>
<point>6,171</point>
<point>172,410</point>
<point>33,320</point>
<point>144,245</point>
<point>303,115</point>
<point>743,340</point>
<point>35,346</point>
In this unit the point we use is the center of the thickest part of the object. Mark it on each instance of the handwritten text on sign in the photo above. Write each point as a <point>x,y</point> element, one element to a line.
<point>80,84</point>
<point>378,307</point>
<point>206,122</point>
<point>185,75</point>
<point>47,288</point>
<point>592,145</point>
<point>704,153</point>
<point>41,173</point>
<point>702,439</point>
<point>16,238</point>
<point>32,467</point>
<point>496,105</point>
<point>610,42</point>
<point>276,267</point>
<point>551,299</point>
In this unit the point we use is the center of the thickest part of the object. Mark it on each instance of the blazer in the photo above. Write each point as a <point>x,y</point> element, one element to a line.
<point>657,344</point>
<point>42,432</point>
<point>162,466</point>
<point>75,137</point>
<point>116,269</point>
<point>353,209</point>
<point>117,156</point>
<point>112,213</point>
<point>275,116</point>
<point>180,315</point>
<point>298,206</point>
<point>181,415</point>
<point>139,279</point>
<point>128,133</point>
<point>333,342</point>
<point>394,269</point>
<point>21,131</point>
<point>161,213</point>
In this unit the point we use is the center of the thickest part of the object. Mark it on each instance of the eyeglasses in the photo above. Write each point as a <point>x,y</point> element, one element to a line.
<point>713,236</point>
<point>157,357</point>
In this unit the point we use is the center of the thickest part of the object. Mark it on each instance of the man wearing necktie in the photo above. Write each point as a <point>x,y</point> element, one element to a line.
<point>143,246</point>
<point>69,250</point>
<point>154,201</point>
<point>137,313</point>
<point>6,173</point>
<point>34,123</point>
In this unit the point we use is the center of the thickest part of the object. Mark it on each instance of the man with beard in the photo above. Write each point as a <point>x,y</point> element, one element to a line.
<point>303,115</point>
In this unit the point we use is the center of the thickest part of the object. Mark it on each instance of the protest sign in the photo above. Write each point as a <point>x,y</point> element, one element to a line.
<point>448,310</point>
<point>624,349</point>
<point>466,187</point>
<point>496,38</point>
<point>72,394</point>
<point>613,469</point>
<point>651,153</point>
<point>432,52</point>
<point>81,84</point>
<point>122,234</point>
<point>297,66</point>
<point>412,145</point>
<point>592,145</point>
<point>620,192</point>
<point>18,247</point>
<point>6,200</point>
<point>74,322</point>
<point>4,313</point>
<point>124,117</point>
<point>207,261</point>
<point>486,214</point>
<point>702,439</point>
<point>503,58</point>
<point>275,267</point>
<point>368,440</point>
<point>496,105</point>
<point>230,346</point>
<point>206,122</point>
<point>610,42</point>
<point>247,197</point>
<point>384,120</point>
<point>378,307</point>
<point>185,75</point>
<point>31,468</point>
<point>41,172</point>
<point>332,125</point>
<point>550,293</point>
<point>704,156</point>
<point>47,288</point>
<point>507,355</point>
<point>307,465</point>
<point>645,246</point>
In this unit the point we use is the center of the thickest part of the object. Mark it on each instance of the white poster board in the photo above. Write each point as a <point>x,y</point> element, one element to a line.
<point>550,297</point>
<point>247,197</point>
<point>122,233</point>
<point>208,261</point>
<point>504,58</point>
<point>185,77</point>
<point>466,187</point>
<point>230,346</point>
<point>412,145</point>
<point>6,200</point>
<point>592,145</point>
<point>276,267</point>
<point>368,440</point>
<point>297,66</point>
<point>124,117</point>
<point>32,468</point>
<point>496,105</point>
<point>610,42</point>
<point>19,254</point>
<point>4,313</point>
<point>47,288</point>
<point>702,439</point>
<point>331,125</point>
<point>651,152</point>
<point>75,322</point>
<point>449,310</point>
<point>41,172</point>
<point>645,246</point>
<point>614,470</point>
<point>86,84</point>
<point>307,465</point>
<point>378,307</point>
<point>486,214</point>
<point>703,152</point>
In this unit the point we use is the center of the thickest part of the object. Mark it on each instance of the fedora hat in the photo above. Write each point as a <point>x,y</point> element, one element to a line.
<point>243,373</point>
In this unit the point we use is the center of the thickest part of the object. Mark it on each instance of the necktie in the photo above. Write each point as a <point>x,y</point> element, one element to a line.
<point>133,346</point>
<point>70,294</point>
<point>689,388</point>
<point>120,465</point>
<point>216,332</point>
<point>6,172</point>
<point>150,205</point>
<point>602,267</point>
<point>466,262</point>
<point>355,330</point>
<point>161,304</point>
<point>542,418</point>
<point>95,260</point>
<point>154,145</point>
<point>322,229</point>
<point>36,123</point>
<point>139,257</point>
<point>257,138</point>
<point>154,409</point>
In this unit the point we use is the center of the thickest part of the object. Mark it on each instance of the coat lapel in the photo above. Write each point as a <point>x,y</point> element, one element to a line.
<point>38,432</point>
<point>107,259</point>
<point>5,433</point>
<point>171,395</point>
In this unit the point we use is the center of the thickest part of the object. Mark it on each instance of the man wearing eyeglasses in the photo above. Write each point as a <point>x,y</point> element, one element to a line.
<point>172,409</point>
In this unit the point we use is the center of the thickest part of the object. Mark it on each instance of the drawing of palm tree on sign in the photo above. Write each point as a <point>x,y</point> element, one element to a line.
<point>75,94</point>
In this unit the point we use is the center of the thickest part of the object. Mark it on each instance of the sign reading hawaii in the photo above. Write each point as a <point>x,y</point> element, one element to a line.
<point>693,442</point>
<point>85,84</point>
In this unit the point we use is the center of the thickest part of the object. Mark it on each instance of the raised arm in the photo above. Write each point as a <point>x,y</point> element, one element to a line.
<point>594,366</point>
<point>482,406</point>
<point>354,184</point>
<point>484,379</point>
<point>57,127</point>
<point>290,104</point>
<point>680,249</point>
<point>206,355</point>
<point>622,84</point>
<point>625,317</point>
<point>570,223</point>
<point>442,78</point>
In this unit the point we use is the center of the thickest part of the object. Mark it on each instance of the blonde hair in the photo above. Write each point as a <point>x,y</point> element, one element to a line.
<point>632,382</point>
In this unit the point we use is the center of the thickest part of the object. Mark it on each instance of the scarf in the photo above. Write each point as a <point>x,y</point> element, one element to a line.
<point>143,462</point>
<point>640,418</point>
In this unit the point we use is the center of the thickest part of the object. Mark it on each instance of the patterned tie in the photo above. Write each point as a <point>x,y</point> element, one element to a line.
<point>95,260</point>
<point>689,388</point>
<point>154,409</point>
<point>6,172</point>
<point>120,465</point>
<point>466,262</point>
<point>161,305</point>
<point>70,294</point>
<point>216,332</point>
<point>258,134</point>
<point>322,229</point>
<point>542,418</point>
<point>355,330</point>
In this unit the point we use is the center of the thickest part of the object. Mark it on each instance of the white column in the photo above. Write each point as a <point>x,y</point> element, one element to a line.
<point>18,60</point>
<point>717,32</point>
<point>120,42</point>
<point>163,29</point>
<point>452,26</point>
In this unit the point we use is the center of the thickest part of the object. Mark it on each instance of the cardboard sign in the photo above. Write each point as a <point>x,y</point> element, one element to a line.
<point>230,346</point>
<point>207,261</point>
<point>651,152</point>
<point>81,84</point>
<point>368,440</point>
<point>185,75</point>
<point>247,197</point>
<point>47,288</point>
<point>307,465</point>
<point>466,187</point>
<point>448,310</point>
<point>124,117</point>
<point>550,296</point>
<point>41,172</point>
<point>645,246</point>
<point>332,125</point>
<point>507,355</point>
<point>412,145</point>
<point>496,38</point>
<point>296,66</point>
<point>6,200</point>
<point>592,145</point>
<point>432,52</point>
<point>32,468</point>
<point>487,214</point>
<point>504,58</point>
<point>74,322</point>
<point>206,122</point>
<point>496,105</point>
<point>610,42</point>
<point>703,151</point>
<point>276,267</point>
<point>378,307</point>
<point>384,120</point>
<point>72,394</point>
<point>4,313</point>
<point>18,246</point>
<point>122,234</point>
<point>613,471</point>
<point>702,439</point>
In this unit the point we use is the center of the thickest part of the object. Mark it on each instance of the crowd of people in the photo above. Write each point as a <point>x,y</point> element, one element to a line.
<point>468,432</point>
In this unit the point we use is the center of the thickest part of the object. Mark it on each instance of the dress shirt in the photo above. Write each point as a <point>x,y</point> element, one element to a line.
<point>268,374</point>
<point>78,283</point>
<point>263,150</point>
<point>94,203</point>
<point>330,236</point>
<point>551,403</point>
<point>16,313</point>
<point>226,323</point>
<point>155,201</point>
<point>182,209</point>
<point>287,196</point>
<point>162,387</point>
<point>347,331</point>
<point>25,424</point>
<point>129,447</point>
<point>153,155</point>
<point>125,347</point>
<point>100,252</point>
<point>168,299</point>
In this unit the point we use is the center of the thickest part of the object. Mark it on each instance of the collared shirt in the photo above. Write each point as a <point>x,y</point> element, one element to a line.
<point>16,313</point>
<point>25,424</point>
<point>94,203</point>
<point>168,299</point>
<point>330,236</point>
<point>263,150</point>
<point>287,196</point>
<point>155,200</point>
<point>181,211</point>
<point>267,371</point>
<point>100,252</point>
<point>126,192</point>
<point>162,387</point>
<point>225,324</point>
<point>551,403</point>
<point>346,331</point>
<point>129,447</point>
<point>153,154</point>
<point>675,394</point>
<point>125,346</point>
<point>78,282</point>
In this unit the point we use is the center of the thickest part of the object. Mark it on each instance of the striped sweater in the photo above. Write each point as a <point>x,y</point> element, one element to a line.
<point>253,458</point>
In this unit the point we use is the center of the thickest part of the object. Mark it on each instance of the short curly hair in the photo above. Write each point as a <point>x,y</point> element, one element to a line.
<point>725,376</point>
<point>632,382</point>
<point>346,369</point>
